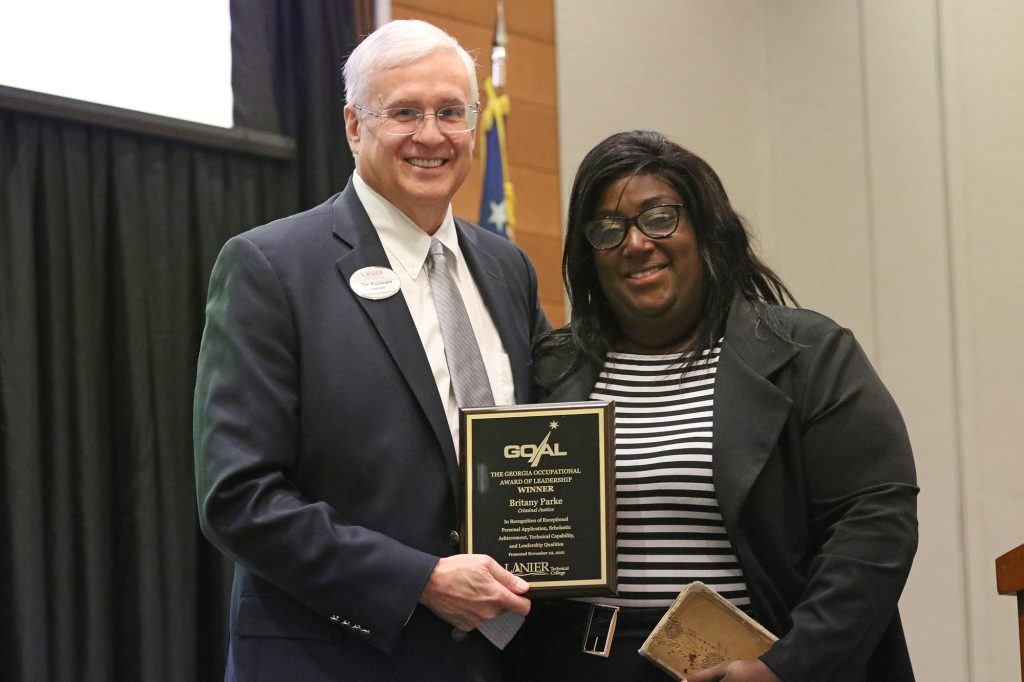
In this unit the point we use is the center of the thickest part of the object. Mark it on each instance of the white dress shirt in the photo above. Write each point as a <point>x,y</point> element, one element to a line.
<point>406,246</point>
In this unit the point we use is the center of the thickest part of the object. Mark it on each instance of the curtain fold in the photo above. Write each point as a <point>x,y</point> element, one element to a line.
<point>107,243</point>
<point>286,76</point>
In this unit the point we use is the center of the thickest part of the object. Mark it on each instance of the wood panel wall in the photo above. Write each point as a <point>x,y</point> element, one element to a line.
<point>532,126</point>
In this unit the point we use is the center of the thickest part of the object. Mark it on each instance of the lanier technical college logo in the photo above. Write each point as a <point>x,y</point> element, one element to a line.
<point>535,568</point>
<point>535,452</point>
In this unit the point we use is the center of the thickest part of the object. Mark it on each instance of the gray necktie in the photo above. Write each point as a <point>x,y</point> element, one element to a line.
<point>472,389</point>
<point>465,364</point>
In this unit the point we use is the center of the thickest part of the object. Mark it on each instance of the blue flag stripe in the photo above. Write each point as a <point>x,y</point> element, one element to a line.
<point>493,213</point>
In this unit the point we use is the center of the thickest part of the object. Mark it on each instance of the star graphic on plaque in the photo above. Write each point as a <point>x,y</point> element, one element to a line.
<point>553,425</point>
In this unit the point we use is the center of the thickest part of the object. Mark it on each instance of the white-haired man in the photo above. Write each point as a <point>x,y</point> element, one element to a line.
<point>328,391</point>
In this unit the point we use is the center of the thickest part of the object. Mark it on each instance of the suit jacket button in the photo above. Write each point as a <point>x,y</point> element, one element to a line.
<point>453,538</point>
<point>457,634</point>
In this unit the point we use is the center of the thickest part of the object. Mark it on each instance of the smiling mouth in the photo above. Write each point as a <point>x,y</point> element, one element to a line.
<point>427,163</point>
<point>646,273</point>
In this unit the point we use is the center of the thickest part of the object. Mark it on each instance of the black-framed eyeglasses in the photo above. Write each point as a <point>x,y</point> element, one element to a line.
<point>458,118</point>
<point>656,222</point>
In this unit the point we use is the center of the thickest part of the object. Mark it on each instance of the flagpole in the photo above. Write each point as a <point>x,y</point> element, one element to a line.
<point>497,203</point>
<point>498,50</point>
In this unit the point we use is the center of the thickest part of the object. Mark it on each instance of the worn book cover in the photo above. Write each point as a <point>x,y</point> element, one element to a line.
<point>702,629</point>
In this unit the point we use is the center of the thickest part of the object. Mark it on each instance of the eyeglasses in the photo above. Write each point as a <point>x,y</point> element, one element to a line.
<point>656,222</point>
<point>458,118</point>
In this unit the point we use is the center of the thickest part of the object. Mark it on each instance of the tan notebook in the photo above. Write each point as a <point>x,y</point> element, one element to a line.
<point>702,629</point>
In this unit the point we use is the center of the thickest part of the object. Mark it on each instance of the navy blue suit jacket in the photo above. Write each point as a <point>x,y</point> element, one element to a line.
<point>324,463</point>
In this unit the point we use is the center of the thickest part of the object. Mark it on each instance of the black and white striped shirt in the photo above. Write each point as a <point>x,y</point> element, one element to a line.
<point>670,530</point>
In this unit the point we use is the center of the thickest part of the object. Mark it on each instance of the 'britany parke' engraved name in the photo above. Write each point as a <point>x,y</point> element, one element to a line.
<point>542,502</point>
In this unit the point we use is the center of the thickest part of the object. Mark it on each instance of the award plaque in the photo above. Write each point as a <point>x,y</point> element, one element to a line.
<point>539,493</point>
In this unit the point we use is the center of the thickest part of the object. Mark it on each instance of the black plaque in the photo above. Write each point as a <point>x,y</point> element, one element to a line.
<point>539,493</point>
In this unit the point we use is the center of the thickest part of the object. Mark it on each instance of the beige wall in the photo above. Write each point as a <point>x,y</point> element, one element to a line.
<point>983,71</point>
<point>876,148</point>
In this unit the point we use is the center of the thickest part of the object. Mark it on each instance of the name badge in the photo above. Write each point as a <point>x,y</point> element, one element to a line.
<point>374,283</point>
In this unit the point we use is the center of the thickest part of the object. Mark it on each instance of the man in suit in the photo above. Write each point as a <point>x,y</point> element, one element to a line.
<point>327,399</point>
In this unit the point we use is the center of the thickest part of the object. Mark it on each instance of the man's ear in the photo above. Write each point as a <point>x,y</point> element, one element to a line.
<point>353,129</point>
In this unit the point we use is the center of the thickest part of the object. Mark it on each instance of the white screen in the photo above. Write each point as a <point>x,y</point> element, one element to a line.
<point>171,57</point>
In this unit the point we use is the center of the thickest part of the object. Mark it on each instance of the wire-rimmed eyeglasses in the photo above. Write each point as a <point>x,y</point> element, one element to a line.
<point>656,222</point>
<point>458,118</point>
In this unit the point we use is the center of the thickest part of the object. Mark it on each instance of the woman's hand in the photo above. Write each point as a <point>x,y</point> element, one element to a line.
<point>752,670</point>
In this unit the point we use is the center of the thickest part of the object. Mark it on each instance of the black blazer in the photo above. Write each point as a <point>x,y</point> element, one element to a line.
<point>324,463</point>
<point>816,483</point>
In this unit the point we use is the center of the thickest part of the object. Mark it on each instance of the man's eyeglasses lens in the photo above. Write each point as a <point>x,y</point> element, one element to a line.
<point>657,223</point>
<point>459,118</point>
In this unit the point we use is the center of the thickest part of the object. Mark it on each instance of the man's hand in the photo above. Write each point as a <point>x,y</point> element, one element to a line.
<point>468,589</point>
<point>752,670</point>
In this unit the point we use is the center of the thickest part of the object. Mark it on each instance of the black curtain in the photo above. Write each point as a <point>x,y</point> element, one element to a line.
<point>286,76</point>
<point>107,239</point>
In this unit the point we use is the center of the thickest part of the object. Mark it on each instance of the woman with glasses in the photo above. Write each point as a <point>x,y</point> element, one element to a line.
<point>756,449</point>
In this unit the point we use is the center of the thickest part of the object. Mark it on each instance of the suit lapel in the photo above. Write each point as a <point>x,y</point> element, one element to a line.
<point>495,295</point>
<point>391,318</point>
<point>749,411</point>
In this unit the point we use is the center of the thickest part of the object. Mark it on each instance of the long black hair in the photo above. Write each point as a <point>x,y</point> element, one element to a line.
<point>730,266</point>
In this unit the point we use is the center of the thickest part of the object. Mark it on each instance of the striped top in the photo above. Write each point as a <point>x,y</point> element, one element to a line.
<point>670,530</point>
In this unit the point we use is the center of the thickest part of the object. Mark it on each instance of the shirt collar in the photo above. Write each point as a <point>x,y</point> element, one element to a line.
<point>399,235</point>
